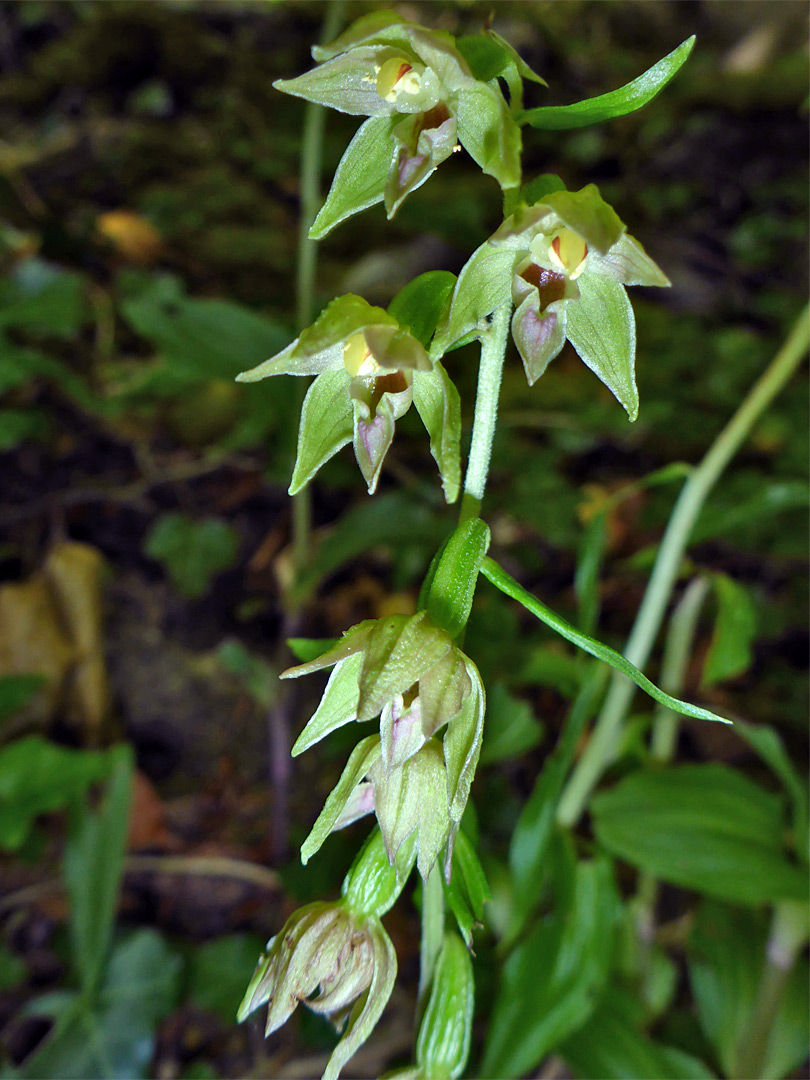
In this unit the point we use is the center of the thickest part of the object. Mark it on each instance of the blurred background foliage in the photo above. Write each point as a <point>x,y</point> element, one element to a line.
<point>148,232</point>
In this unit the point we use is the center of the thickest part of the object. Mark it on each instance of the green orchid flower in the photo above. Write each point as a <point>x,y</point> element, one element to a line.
<point>408,672</point>
<point>369,371</point>
<point>422,102</point>
<point>564,263</point>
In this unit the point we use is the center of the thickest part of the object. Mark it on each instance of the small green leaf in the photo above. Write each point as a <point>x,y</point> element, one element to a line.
<point>359,180</point>
<point>327,424</point>
<point>731,649</point>
<point>768,744</point>
<point>306,649</point>
<point>422,305</point>
<point>95,853</point>
<point>537,189</point>
<point>616,103</point>
<point>36,777</point>
<point>438,403</point>
<point>501,580</point>
<point>452,588</point>
<point>443,1044</point>
<point>704,827</point>
<point>602,328</point>
<point>193,552</point>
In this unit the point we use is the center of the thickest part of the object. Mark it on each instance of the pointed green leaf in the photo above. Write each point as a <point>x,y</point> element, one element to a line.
<point>616,103</point>
<point>326,425</point>
<point>337,707</point>
<point>488,132</point>
<point>359,180</point>
<point>352,642</point>
<point>362,758</point>
<point>468,889</point>
<point>602,328</point>
<point>537,189</point>
<point>507,584</point>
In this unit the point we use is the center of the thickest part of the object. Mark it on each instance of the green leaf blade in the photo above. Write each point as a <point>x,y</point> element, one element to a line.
<point>626,99</point>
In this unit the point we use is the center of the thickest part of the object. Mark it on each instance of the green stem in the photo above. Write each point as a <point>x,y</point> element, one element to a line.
<point>603,741</point>
<point>677,650</point>
<point>432,933</point>
<point>787,937</point>
<point>490,371</point>
<point>311,166</point>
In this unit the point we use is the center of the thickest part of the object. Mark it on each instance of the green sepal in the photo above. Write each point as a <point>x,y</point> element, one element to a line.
<point>467,890</point>
<point>484,284</point>
<point>353,641</point>
<point>362,759</point>
<point>443,1044</point>
<point>585,212</point>
<point>326,425</point>
<point>340,319</point>
<point>619,102</point>
<point>374,883</point>
<point>489,55</point>
<point>602,328</point>
<point>368,1008</point>
<point>442,690</point>
<point>379,26</point>
<point>438,403</point>
<point>452,588</point>
<point>359,180</point>
<point>337,707</point>
<point>413,799</point>
<point>399,650</point>
<point>422,305</point>
<point>462,744</point>
<point>629,263</point>
<point>488,132</point>
<point>347,83</point>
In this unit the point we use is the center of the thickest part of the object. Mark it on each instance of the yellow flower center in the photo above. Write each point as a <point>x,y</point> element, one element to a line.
<point>398,76</point>
<point>357,357</point>
<point>567,253</point>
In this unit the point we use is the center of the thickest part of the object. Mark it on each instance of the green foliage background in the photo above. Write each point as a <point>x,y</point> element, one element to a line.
<point>148,232</point>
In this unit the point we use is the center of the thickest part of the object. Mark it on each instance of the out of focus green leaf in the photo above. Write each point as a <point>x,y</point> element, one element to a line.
<point>704,827</point>
<point>511,729</point>
<point>16,691</point>
<point>730,652</point>
<point>219,971</point>
<point>193,552</point>
<point>42,298</point>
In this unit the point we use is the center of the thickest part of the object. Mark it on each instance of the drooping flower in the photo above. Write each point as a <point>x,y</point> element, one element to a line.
<point>369,370</point>
<point>422,100</point>
<point>329,959</point>
<point>408,672</point>
<point>564,263</point>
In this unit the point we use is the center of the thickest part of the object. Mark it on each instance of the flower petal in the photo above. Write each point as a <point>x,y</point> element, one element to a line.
<point>347,83</point>
<point>362,758</point>
<point>628,262</point>
<point>337,707</point>
<point>539,336</point>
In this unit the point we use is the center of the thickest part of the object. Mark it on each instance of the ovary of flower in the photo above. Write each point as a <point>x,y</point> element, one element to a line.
<point>567,252</point>
<point>357,357</point>
<point>398,76</point>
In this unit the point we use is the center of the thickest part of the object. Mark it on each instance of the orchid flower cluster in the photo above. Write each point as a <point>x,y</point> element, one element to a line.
<point>559,264</point>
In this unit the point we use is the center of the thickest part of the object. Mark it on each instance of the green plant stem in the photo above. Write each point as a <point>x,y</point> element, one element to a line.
<point>601,747</point>
<point>787,937</point>
<point>490,371</point>
<point>311,167</point>
<point>432,933</point>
